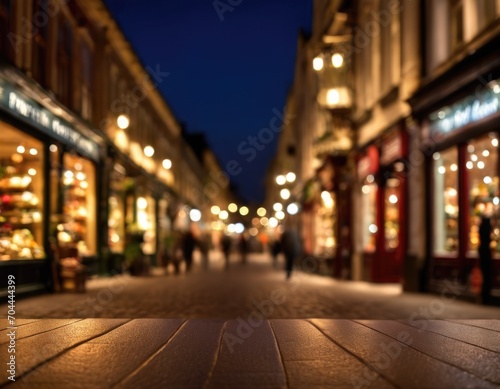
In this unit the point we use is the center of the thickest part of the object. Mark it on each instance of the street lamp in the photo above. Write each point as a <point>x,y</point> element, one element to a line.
<point>123,122</point>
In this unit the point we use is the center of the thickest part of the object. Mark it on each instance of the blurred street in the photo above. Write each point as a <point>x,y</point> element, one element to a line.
<point>244,290</point>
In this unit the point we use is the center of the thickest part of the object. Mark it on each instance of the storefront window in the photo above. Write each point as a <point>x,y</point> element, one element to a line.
<point>368,211</point>
<point>79,205</point>
<point>391,224</point>
<point>116,216</point>
<point>21,195</point>
<point>146,221</point>
<point>446,202</point>
<point>481,166</point>
<point>326,225</point>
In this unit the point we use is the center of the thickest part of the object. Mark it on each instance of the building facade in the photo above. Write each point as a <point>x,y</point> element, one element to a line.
<point>91,152</point>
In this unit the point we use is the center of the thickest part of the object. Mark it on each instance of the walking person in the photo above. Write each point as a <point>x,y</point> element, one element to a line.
<point>243,246</point>
<point>226,248</point>
<point>290,244</point>
<point>275,250</point>
<point>188,245</point>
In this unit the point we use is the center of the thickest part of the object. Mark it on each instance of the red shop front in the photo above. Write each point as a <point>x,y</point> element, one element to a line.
<point>383,177</point>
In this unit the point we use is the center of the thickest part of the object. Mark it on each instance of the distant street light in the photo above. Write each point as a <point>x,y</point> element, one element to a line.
<point>292,208</point>
<point>167,164</point>
<point>290,177</point>
<point>281,179</point>
<point>195,215</point>
<point>244,211</point>
<point>278,207</point>
<point>223,215</point>
<point>123,122</point>
<point>261,212</point>
<point>232,207</point>
<point>215,210</point>
<point>318,63</point>
<point>285,194</point>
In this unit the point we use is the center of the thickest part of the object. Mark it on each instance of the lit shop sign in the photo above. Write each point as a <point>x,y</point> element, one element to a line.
<point>469,110</point>
<point>32,113</point>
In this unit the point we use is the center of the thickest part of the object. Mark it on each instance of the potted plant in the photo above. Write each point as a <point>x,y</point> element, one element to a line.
<point>134,257</point>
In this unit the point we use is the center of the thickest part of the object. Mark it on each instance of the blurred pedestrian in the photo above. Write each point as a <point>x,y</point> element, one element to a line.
<point>290,244</point>
<point>188,245</point>
<point>275,250</point>
<point>226,248</point>
<point>204,243</point>
<point>243,247</point>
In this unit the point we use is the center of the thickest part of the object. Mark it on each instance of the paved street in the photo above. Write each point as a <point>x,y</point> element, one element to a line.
<point>242,291</point>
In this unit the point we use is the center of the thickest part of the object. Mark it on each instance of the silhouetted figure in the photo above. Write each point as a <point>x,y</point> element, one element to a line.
<point>226,248</point>
<point>290,245</point>
<point>188,245</point>
<point>204,246</point>
<point>275,250</point>
<point>485,256</point>
<point>243,247</point>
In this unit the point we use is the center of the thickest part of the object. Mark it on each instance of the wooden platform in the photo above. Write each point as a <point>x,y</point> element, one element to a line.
<point>256,353</point>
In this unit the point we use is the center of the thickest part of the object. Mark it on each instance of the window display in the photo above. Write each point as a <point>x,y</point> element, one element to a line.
<point>368,212</point>
<point>391,223</point>
<point>116,218</point>
<point>326,225</point>
<point>482,169</point>
<point>79,206</point>
<point>146,221</point>
<point>21,195</point>
<point>446,202</point>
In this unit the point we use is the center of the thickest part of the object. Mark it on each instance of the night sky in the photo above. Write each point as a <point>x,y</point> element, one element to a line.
<point>226,76</point>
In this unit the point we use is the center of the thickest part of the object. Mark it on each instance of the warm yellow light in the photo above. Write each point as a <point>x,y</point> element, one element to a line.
<point>337,60</point>
<point>215,210</point>
<point>290,177</point>
<point>33,151</point>
<point>264,221</point>
<point>244,211</point>
<point>32,172</point>
<point>149,151</point>
<point>273,222</point>
<point>280,215</point>
<point>285,194</point>
<point>167,163</point>
<point>223,215</point>
<point>142,203</point>
<point>123,122</point>
<point>281,179</point>
<point>332,97</point>
<point>261,212</point>
<point>21,149</point>
<point>318,63</point>
<point>253,231</point>
<point>232,207</point>
<point>278,207</point>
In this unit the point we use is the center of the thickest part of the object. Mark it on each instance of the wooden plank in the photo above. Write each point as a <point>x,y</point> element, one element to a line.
<point>395,361</point>
<point>35,328</point>
<point>39,348</point>
<point>248,357</point>
<point>493,325</point>
<point>184,362</point>
<point>313,360</point>
<point>481,337</point>
<point>109,357</point>
<point>475,360</point>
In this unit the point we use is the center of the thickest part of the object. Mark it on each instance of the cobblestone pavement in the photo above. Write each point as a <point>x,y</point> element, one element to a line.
<point>242,291</point>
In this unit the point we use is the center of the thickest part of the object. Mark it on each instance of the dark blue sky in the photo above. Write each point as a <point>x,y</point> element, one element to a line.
<point>226,77</point>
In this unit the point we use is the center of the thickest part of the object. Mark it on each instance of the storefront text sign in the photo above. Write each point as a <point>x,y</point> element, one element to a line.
<point>469,110</point>
<point>392,149</point>
<point>29,111</point>
<point>369,163</point>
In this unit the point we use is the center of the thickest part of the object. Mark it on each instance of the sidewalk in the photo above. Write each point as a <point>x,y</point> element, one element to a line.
<point>316,353</point>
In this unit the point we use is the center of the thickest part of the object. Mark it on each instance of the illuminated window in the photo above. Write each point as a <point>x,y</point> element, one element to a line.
<point>21,195</point>
<point>392,199</point>
<point>446,202</point>
<point>369,214</point>
<point>482,162</point>
<point>79,207</point>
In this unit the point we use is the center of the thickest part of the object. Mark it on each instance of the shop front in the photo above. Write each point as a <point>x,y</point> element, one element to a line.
<point>48,189</point>
<point>463,170</point>
<point>382,216</point>
<point>134,221</point>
